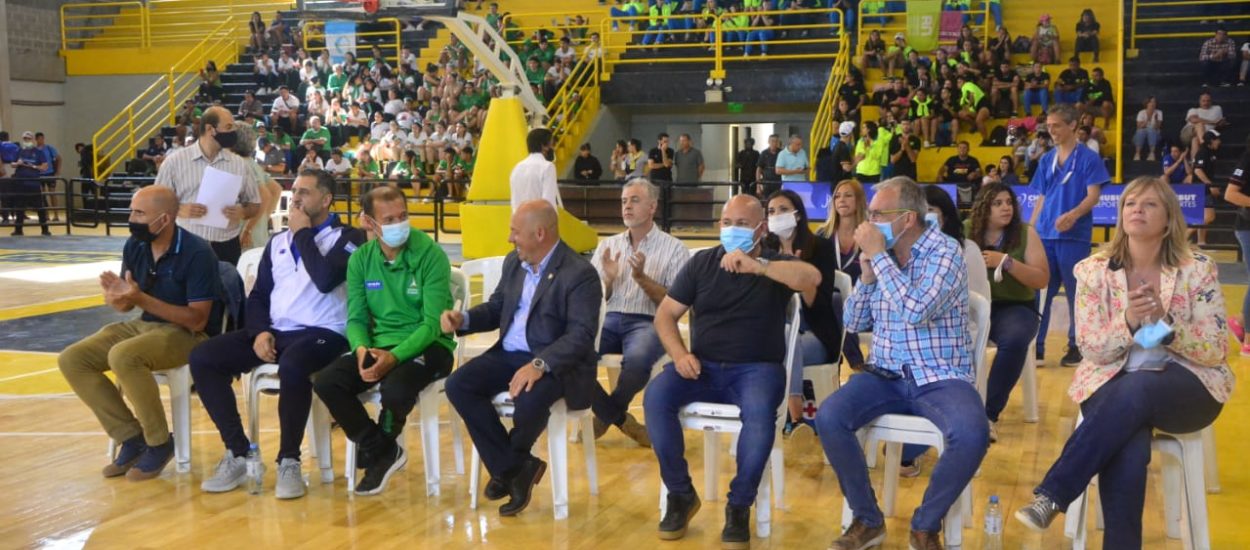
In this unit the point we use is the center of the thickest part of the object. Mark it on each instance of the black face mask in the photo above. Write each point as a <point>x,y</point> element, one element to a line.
<point>143,232</point>
<point>227,140</point>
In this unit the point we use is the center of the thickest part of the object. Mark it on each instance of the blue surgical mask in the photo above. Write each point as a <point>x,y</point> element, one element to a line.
<point>737,238</point>
<point>887,230</point>
<point>931,219</point>
<point>1151,335</point>
<point>395,234</point>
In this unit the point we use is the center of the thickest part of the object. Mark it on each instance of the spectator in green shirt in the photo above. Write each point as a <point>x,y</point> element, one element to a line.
<point>398,285</point>
<point>315,138</point>
<point>534,73</point>
<point>366,168</point>
<point>974,105</point>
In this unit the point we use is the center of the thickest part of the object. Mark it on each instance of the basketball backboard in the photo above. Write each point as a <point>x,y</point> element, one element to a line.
<point>370,9</point>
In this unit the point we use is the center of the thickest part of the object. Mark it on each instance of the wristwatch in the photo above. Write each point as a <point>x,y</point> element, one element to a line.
<point>541,365</point>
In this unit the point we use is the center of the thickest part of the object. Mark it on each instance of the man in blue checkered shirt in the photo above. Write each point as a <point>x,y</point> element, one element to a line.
<point>913,296</point>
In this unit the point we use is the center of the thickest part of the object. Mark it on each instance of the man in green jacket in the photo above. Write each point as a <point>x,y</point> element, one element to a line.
<point>397,286</point>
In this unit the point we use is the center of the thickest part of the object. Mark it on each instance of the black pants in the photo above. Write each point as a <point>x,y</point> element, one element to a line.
<point>218,360</point>
<point>228,250</point>
<point>1219,72</point>
<point>339,385</point>
<point>22,197</point>
<point>470,390</point>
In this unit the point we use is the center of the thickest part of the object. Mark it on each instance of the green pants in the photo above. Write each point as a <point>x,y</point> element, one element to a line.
<point>132,350</point>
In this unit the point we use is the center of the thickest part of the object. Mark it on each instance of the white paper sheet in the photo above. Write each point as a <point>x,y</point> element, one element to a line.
<point>218,190</point>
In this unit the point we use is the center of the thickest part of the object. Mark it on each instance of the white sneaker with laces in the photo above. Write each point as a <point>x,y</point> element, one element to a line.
<point>229,474</point>
<point>290,480</point>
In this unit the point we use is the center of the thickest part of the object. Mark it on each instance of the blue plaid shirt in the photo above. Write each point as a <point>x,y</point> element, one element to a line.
<point>918,314</point>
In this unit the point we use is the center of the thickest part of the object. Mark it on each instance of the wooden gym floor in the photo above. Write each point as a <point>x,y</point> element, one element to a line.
<point>52,449</point>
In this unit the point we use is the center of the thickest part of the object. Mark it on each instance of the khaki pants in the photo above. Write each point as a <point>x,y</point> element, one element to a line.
<point>132,350</point>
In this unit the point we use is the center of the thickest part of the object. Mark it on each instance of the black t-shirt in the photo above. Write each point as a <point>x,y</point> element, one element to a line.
<point>748,159</point>
<point>768,165</point>
<point>841,154</point>
<point>1042,80</point>
<point>853,93</point>
<point>1097,91</point>
<point>1007,77</point>
<point>1205,160</point>
<point>958,170</point>
<point>736,318</point>
<point>1078,78</point>
<point>662,173</point>
<point>1241,178</point>
<point>904,166</point>
<point>1082,27</point>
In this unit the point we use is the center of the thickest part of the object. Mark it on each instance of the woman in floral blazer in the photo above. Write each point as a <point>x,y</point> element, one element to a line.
<point>1137,377</point>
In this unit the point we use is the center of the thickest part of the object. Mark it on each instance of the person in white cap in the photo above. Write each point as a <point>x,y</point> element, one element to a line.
<point>841,146</point>
<point>896,54</point>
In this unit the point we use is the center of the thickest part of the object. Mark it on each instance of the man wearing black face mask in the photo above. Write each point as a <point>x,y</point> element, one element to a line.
<point>535,177</point>
<point>183,170</point>
<point>171,276</point>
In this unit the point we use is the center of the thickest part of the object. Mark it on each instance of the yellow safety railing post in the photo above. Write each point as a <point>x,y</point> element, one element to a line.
<point>1119,103</point>
<point>718,44</point>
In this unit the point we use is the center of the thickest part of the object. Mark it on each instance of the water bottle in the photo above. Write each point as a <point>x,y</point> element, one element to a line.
<point>255,471</point>
<point>993,525</point>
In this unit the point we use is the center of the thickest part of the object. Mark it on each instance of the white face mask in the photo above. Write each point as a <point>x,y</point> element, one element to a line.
<point>782,225</point>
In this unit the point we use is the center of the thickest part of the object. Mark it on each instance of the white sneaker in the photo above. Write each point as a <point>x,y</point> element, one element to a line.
<point>230,473</point>
<point>290,479</point>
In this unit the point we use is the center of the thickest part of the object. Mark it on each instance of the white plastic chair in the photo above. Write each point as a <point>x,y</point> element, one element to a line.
<point>826,377</point>
<point>897,429</point>
<point>490,270</point>
<point>558,440</point>
<point>715,418</point>
<point>278,220</point>
<point>249,265</point>
<point>178,380</point>
<point>1184,498</point>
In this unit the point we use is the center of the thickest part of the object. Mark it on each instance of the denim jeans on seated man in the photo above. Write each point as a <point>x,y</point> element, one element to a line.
<point>634,336</point>
<point>755,388</point>
<point>952,405</point>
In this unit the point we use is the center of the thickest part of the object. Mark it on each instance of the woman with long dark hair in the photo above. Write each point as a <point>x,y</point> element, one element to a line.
<point>821,329</point>
<point>1017,268</point>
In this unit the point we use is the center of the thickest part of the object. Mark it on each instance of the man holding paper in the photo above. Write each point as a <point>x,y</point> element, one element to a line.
<point>216,188</point>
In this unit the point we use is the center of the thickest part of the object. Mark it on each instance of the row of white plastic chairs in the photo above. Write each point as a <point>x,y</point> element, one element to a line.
<point>1184,506</point>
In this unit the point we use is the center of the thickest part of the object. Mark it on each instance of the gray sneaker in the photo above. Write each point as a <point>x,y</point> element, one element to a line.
<point>1038,514</point>
<point>290,479</point>
<point>230,473</point>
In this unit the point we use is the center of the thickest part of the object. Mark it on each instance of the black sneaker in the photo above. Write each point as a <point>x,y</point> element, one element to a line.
<point>128,454</point>
<point>1040,355</point>
<point>380,472</point>
<point>1072,358</point>
<point>681,509</point>
<point>737,532</point>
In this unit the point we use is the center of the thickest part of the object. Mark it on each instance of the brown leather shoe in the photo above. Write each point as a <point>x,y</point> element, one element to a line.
<point>859,537</point>
<point>635,431</point>
<point>925,540</point>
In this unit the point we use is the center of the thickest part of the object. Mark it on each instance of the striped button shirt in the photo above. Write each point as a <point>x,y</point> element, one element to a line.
<point>918,314</point>
<point>184,169</point>
<point>665,257</point>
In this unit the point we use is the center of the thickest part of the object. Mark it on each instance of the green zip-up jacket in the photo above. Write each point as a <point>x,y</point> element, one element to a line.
<point>398,304</point>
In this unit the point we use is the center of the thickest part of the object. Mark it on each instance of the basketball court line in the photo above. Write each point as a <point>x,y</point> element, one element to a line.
<point>54,306</point>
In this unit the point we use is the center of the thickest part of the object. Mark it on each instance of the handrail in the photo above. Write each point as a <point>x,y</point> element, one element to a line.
<point>822,126</point>
<point>317,30</point>
<point>116,140</point>
<point>527,30</point>
<point>984,27</point>
<point>573,104</point>
<point>144,24</point>
<point>1138,5</point>
<point>618,42</point>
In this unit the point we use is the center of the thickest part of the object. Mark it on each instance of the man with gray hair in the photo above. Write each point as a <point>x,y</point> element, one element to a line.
<point>637,267</point>
<point>913,296</point>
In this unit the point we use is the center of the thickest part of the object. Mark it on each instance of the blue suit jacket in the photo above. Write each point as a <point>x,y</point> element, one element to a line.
<point>563,320</point>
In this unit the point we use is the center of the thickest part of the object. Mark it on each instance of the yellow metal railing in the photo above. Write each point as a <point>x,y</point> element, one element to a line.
<point>572,108</point>
<point>157,22</point>
<point>724,32</point>
<point>116,141</point>
<point>528,23</point>
<point>823,127</point>
<point>315,37</point>
<point>1138,20</point>
<point>894,22</point>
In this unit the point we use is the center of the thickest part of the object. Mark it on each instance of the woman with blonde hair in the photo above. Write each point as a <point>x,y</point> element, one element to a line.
<point>848,209</point>
<point>1150,322</point>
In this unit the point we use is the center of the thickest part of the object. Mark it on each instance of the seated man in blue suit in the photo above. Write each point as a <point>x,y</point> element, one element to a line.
<point>546,308</point>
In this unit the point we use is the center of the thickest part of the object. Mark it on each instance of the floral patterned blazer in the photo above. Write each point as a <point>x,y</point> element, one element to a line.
<point>1191,294</point>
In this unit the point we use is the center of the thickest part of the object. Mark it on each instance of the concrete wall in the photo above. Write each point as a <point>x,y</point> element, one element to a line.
<point>34,29</point>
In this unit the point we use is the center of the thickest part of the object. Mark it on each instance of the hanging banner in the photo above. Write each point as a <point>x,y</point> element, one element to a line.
<point>340,39</point>
<point>923,19</point>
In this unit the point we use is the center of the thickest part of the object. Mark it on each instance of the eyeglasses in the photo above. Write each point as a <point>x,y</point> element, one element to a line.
<point>874,215</point>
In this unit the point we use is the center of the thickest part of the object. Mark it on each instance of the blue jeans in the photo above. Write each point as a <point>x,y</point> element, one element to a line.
<point>1040,96</point>
<point>1071,98</point>
<point>1146,136</point>
<point>760,36</point>
<point>627,12</point>
<point>1113,442</point>
<point>814,353</point>
<point>633,336</point>
<point>996,11</point>
<point>1063,256</point>
<point>655,35</point>
<point>1243,237</point>
<point>952,405</point>
<point>1012,327</point>
<point>753,387</point>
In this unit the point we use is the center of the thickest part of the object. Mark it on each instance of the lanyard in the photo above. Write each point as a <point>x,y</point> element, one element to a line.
<point>837,249</point>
